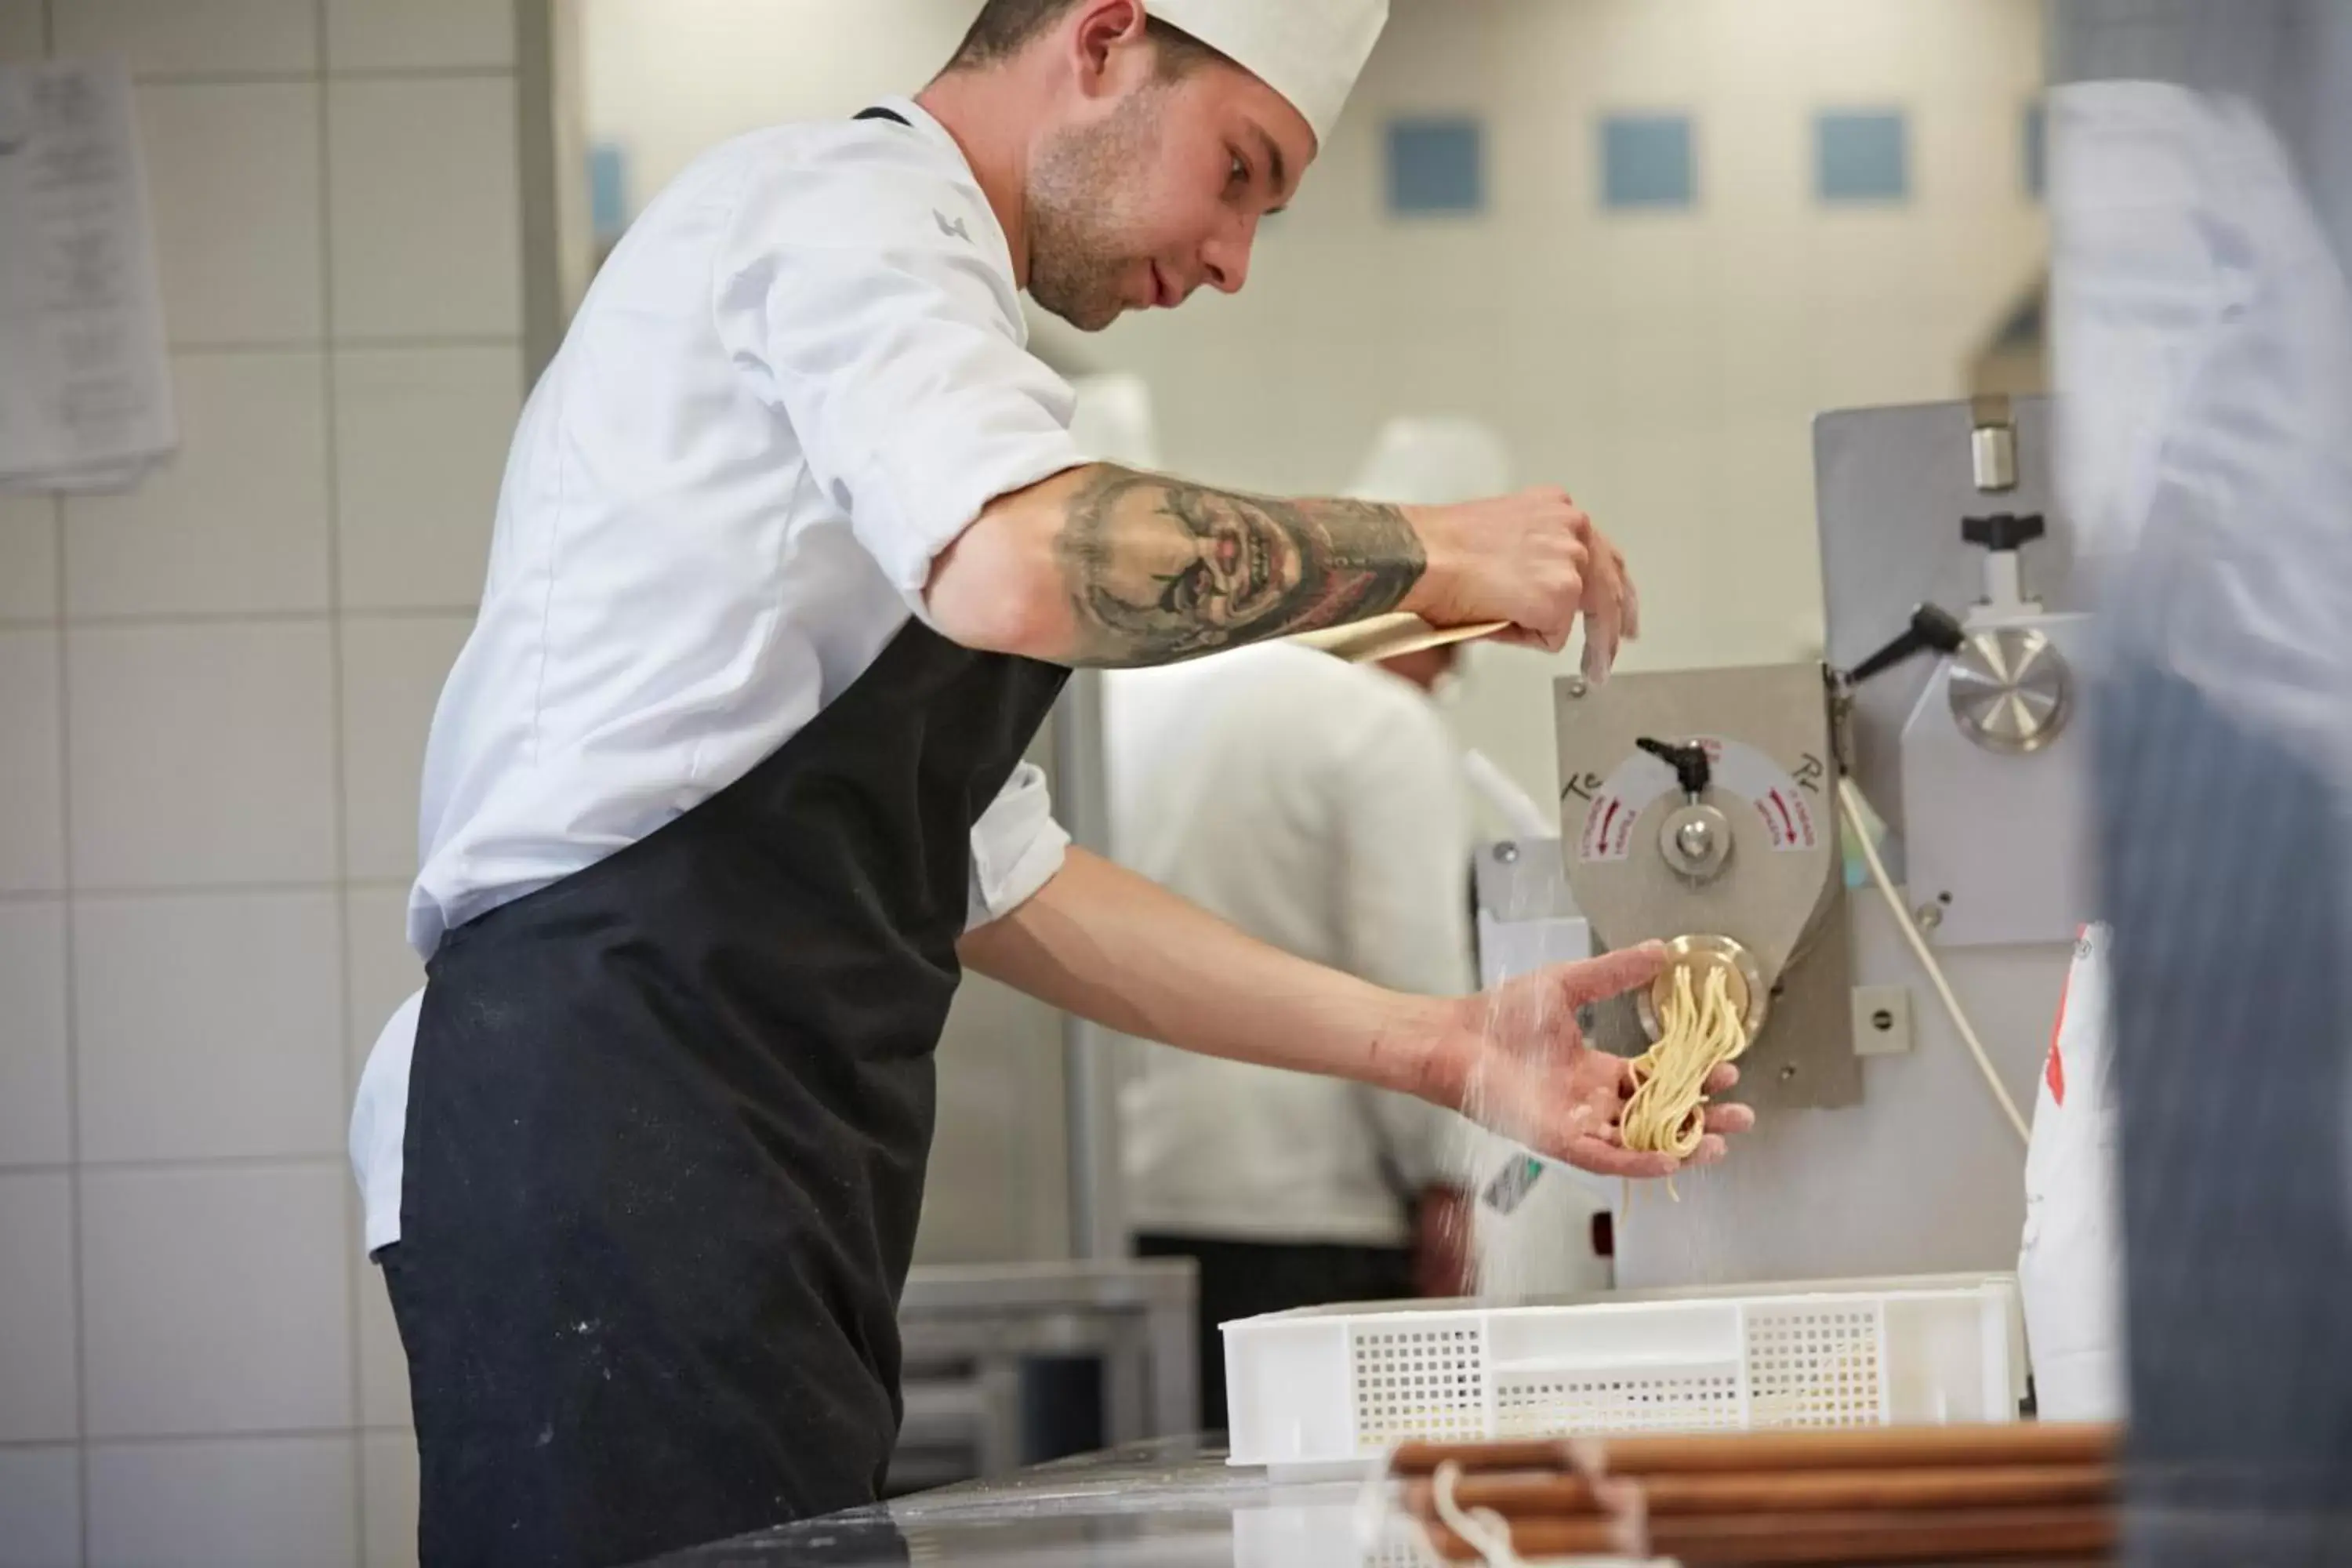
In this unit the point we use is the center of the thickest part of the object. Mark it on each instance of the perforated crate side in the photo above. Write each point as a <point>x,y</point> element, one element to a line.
<point>1816,1364</point>
<point>1419,1378</point>
<point>1567,1404</point>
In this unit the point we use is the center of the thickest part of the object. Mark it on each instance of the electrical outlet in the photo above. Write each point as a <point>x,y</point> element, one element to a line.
<point>1882,1020</point>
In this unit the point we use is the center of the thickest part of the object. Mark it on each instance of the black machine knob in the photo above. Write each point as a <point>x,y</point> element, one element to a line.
<point>1932,629</point>
<point>1693,770</point>
<point>2002,531</point>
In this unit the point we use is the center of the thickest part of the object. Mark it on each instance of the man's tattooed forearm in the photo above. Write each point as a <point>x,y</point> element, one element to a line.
<point>1158,570</point>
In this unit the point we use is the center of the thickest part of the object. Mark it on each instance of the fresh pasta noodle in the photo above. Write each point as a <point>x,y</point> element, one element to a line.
<point>1699,1029</point>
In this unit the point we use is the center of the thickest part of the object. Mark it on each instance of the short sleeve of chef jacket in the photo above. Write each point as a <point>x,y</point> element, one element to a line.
<point>866,293</point>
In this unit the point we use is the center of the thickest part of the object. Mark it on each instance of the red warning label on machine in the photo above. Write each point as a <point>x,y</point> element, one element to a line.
<point>1787,819</point>
<point>1615,804</point>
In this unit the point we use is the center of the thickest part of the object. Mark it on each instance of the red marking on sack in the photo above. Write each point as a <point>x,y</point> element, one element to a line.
<point>2054,1074</point>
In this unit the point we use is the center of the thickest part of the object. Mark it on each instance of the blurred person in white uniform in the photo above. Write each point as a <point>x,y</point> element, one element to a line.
<point>1321,807</point>
<point>793,553</point>
<point>2201,217</point>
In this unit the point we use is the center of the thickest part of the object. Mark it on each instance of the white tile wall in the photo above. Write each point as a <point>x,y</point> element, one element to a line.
<point>210,1025</point>
<point>32,827</point>
<point>173,751</point>
<point>1875,353</point>
<point>282,1502</point>
<point>1763,359</point>
<point>1865,259</point>
<point>33,1105</point>
<point>216,531</point>
<point>375,35</point>
<point>20,31</point>
<point>202,755</point>
<point>1757,271</point>
<point>1661,368</point>
<point>1965,154</point>
<point>383,1366</point>
<point>416,535</point>
<point>40,1497</point>
<point>1745,44</point>
<point>381,969</point>
<point>1656,264</point>
<point>1986,46</point>
<point>217,1300</point>
<point>37,1399</point>
<point>28,558</point>
<point>392,673</point>
<point>424,209</point>
<point>193,36</point>
<point>240,256</point>
<point>388,1466</point>
<point>1859,50</point>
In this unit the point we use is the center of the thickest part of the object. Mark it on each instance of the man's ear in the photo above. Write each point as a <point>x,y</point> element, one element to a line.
<point>1108,35</point>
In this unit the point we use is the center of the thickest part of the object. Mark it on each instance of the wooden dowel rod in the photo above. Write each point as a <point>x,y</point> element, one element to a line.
<point>2026,1443</point>
<point>1980,1536</point>
<point>1799,1491</point>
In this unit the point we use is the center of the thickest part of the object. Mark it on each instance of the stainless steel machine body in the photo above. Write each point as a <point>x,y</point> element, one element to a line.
<point>1880,1150</point>
<point>1768,805</point>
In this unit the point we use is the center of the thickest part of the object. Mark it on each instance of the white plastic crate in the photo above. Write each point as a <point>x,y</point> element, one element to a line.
<point>1334,1387</point>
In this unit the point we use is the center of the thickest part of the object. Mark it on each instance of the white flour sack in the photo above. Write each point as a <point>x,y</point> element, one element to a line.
<point>2069,1267</point>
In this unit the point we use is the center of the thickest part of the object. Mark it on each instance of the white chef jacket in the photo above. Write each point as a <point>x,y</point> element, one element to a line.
<point>1321,807</point>
<point>802,373</point>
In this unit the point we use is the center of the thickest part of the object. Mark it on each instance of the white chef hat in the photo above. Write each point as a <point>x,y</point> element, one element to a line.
<point>1310,51</point>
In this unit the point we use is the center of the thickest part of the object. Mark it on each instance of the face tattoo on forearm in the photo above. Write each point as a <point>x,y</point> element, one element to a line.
<point>1157,569</point>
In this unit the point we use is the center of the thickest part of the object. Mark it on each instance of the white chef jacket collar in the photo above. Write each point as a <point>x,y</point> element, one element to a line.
<point>921,121</point>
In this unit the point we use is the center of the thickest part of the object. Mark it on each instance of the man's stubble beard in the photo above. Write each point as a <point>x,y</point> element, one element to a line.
<point>1077,212</point>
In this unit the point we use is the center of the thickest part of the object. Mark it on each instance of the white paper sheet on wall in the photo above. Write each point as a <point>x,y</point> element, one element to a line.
<point>85,386</point>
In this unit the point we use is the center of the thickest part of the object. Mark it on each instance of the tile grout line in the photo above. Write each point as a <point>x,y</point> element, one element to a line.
<point>183,1164</point>
<point>362,342</point>
<point>338,774</point>
<point>296,77</point>
<point>158,894</point>
<point>72,1008</point>
<point>158,620</point>
<point>186,1439</point>
<point>70,1012</point>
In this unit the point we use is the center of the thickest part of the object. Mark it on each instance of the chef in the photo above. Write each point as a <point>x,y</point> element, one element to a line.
<point>793,552</point>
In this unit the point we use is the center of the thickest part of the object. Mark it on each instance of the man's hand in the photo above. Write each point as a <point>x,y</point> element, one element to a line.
<point>1108,945</point>
<point>1515,1059</point>
<point>1533,559</point>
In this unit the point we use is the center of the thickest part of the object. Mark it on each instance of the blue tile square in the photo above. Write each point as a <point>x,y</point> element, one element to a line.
<point>1436,166</point>
<point>2037,150</point>
<point>1645,161</point>
<point>1862,156</point>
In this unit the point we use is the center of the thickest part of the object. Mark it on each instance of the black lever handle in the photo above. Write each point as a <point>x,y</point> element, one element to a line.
<point>1693,769</point>
<point>2002,531</point>
<point>1932,629</point>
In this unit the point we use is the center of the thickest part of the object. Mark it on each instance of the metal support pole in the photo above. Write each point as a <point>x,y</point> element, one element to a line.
<point>1090,1073</point>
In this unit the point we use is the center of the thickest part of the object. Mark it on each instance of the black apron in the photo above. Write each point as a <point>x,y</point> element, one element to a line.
<point>667,1123</point>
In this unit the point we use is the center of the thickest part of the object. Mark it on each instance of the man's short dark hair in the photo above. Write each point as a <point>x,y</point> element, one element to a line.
<point>1004,27</point>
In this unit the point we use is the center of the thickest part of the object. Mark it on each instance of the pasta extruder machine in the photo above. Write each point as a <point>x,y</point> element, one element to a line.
<point>1703,807</point>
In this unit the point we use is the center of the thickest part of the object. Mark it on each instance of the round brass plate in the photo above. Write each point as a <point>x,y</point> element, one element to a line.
<point>1701,956</point>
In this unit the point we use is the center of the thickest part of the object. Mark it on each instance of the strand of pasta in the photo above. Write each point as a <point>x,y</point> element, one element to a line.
<point>1698,1031</point>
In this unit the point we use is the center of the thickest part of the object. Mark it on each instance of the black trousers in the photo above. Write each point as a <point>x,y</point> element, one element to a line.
<point>1244,1279</point>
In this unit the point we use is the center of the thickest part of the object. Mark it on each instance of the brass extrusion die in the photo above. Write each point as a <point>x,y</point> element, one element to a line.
<point>1703,954</point>
<point>1392,636</point>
